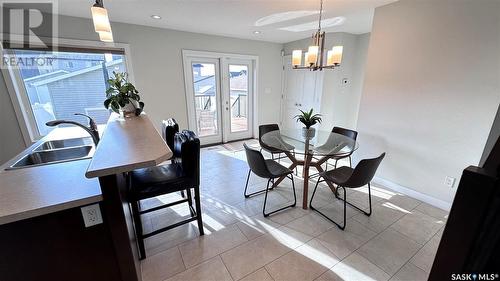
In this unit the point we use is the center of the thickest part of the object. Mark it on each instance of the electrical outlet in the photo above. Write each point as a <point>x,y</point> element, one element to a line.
<point>449,181</point>
<point>91,215</point>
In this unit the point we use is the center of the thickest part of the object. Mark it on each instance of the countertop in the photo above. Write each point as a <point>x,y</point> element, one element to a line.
<point>128,144</point>
<point>36,191</point>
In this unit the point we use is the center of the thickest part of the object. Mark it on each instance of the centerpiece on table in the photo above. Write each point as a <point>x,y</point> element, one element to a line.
<point>122,97</point>
<point>308,119</point>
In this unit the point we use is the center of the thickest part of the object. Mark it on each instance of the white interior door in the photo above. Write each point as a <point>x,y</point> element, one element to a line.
<point>302,89</point>
<point>203,95</point>
<point>237,99</point>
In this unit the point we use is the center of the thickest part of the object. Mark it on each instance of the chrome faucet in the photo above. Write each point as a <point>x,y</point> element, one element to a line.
<point>91,129</point>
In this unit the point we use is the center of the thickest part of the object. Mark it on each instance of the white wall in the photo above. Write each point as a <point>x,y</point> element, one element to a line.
<point>431,90</point>
<point>340,103</point>
<point>157,63</point>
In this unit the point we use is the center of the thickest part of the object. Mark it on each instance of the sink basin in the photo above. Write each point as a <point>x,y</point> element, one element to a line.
<point>57,144</point>
<point>43,157</point>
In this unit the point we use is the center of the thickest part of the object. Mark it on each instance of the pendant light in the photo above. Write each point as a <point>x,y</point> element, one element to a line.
<point>313,58</point>
<point>101,21</point>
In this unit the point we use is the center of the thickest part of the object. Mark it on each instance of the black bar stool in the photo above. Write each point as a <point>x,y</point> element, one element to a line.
<point>177,176</point>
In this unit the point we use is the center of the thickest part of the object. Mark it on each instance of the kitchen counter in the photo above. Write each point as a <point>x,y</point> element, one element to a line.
<point>127,145</point>
<point>35,191</point>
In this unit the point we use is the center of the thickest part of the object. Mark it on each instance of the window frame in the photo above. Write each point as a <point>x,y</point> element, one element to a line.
<point>17,91</point>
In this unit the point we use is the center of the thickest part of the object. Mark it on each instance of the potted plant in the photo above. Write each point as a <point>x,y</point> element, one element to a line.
<point>122,96</point>
<point>308,119</point>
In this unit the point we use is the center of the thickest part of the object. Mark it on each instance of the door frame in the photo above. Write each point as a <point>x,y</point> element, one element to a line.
<point>186,54</point>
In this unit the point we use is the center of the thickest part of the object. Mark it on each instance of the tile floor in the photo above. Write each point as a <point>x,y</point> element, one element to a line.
<point>398,242</point>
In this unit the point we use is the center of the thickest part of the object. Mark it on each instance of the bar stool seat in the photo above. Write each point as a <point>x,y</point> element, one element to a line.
<point>155,181</point>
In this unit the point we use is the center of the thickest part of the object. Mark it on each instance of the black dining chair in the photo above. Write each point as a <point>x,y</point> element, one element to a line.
<point>348,133</point>
<point>159,180</point>
<point>269,169</point>
<point>347,177</point>
<point>264,129</point>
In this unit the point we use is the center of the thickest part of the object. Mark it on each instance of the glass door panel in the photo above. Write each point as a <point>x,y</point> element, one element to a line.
<point>238,97</point>
<point>205,98</point>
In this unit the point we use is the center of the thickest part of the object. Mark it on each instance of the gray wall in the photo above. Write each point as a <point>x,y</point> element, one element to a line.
<point>492,138</point>
<point>340,103</point>
<point>431,90</point>
<point>157,63</point>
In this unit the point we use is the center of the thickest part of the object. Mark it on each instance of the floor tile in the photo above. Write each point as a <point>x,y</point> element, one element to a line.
<point>404,201</point>
<point>312,224</point>
<point>288,215</point>
<point>390,250</point>
<point>259,275</point>
<point>354,268</point>
<point>410,272</point>
<point>383,215</point>
<point>289,237</point>
<point>162,265</point>
<point>253,255</point>
<point>432,211</point>
<point>418,226</point>
<point>212,269</point>
<point>256,226</point>
<point>307,262</point>
<point>198,250</point>
<point>424,258</point>
<point>344,242</point>
<point>170,238</point>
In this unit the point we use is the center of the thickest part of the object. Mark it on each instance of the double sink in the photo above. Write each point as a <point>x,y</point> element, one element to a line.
<point>56,151</point>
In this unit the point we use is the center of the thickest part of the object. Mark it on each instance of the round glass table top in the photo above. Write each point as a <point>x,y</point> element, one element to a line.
<point>324,143</point>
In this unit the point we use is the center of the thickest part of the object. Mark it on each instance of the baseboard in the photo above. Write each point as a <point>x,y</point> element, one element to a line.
<point>412,193</point>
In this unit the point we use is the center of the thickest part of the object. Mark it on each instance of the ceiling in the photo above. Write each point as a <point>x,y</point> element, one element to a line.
<point>277,20</point>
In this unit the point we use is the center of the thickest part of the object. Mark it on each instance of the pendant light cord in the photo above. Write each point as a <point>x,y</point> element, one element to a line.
<point>320,14</point>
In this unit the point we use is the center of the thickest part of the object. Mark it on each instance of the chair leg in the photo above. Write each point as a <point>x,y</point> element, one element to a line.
<point>190,202</point>
<point>350,162</point>
<point>341,226</point>
<point>358,208</point>
<point>138,229</point>
<point>296,170</point>
<point>197,200</point>
<point>246,187</point>
<point>335,166</point>
<point>280,209</point>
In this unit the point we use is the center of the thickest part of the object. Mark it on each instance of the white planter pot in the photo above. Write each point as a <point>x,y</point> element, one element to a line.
<point>129,109</point>
<point>308,133</point>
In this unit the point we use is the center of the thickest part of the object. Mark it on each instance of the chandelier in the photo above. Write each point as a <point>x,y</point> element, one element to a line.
<point>101,21</point>
<point>313,58</point>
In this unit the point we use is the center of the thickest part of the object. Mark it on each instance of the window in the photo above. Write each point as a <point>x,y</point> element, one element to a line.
<point>74,82</point>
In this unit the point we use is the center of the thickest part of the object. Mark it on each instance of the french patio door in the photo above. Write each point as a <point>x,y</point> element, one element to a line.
<point>219,94</point>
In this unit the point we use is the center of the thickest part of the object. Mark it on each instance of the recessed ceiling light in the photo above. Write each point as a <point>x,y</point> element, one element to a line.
<point>256,32</point>
<point>156,17</point>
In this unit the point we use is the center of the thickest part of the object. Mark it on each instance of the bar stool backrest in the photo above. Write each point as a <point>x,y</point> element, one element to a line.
<point>170,128</point>
<point>187,145</point>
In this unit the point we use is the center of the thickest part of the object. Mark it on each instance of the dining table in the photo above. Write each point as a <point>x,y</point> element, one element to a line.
<point>309,151</point>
